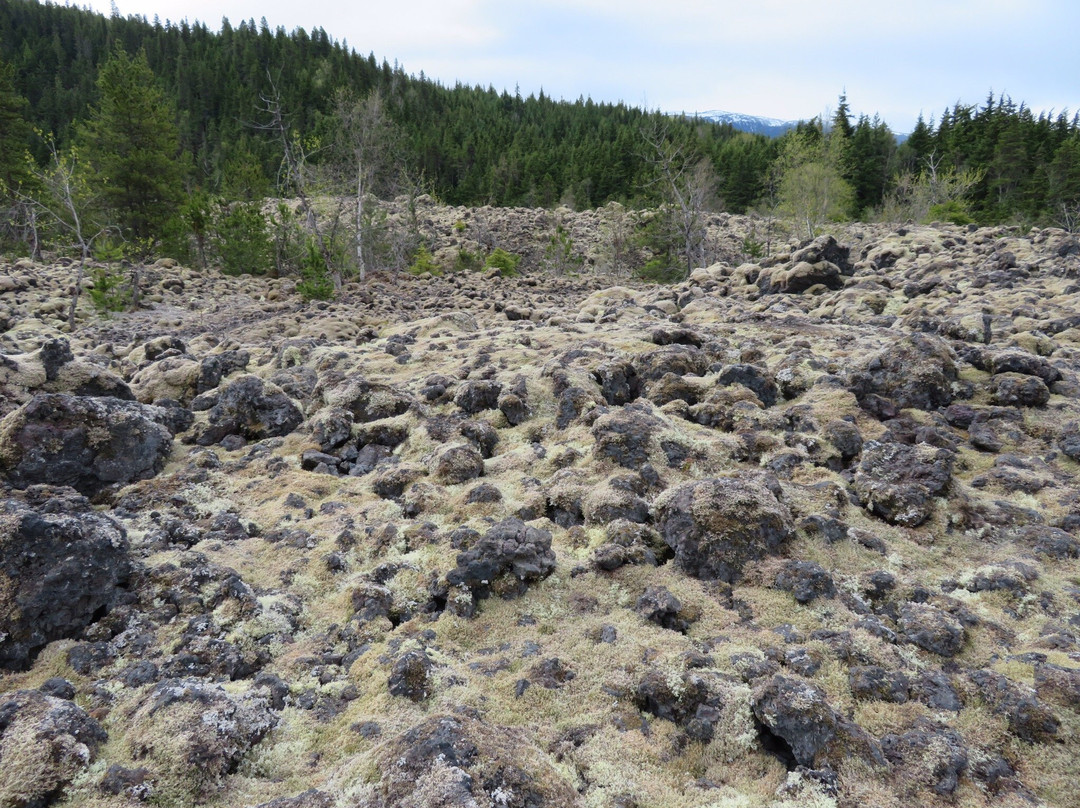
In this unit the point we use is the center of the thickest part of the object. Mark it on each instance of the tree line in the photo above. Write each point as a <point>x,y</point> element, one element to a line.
<point>159,135</point>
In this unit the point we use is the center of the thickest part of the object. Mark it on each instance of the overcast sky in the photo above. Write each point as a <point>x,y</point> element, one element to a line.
<point>786,59</point>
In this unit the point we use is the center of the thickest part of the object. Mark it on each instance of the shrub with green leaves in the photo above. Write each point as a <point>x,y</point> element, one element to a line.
<point>505,262</point>
<point>661,270</point>
<point>424,263</point>
<point>108,250</point>
<point>954,211</point>
<point>315,281</point>
<point>109,292</point>
<point>468,261</point>
<point>241,239</point>
<point>559,256</point>
<point>752,246</point>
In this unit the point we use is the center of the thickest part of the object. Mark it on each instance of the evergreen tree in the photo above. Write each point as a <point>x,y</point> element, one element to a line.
<point>869,162</point>
<point>842,118</point>
<point>14,134</point>
<point>132,144</point>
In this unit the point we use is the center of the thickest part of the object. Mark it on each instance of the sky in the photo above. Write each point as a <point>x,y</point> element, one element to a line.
<point>787,59</point>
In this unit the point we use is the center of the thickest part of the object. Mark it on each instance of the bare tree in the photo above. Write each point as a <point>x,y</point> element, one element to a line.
<point>66,201</point>
<point>687,184</point>
<point>616,228</point>
<point>1068,216</point>
<point>934,190</point>
<point>295,175</point>
<point>366,141</point>
<point>21,220</point>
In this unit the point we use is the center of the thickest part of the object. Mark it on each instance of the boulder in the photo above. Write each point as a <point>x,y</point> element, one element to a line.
<point>1029,719</point>
<point>806,580</point>
<point>551,673</point>
<point>44,743</point>
<point>513,403</point>
<point>754,378</point>
<point>618,380</point>
<point>478,395</point>
<point>797,713</point>
<point>460,761</point>
<point>800,276</point>
<point>410,676</point>
<point>699,701</point>
<point>331,427</point>
<point>457,463</point>
<point>504,561</point>
<point>625,435</point>
<point>931,629</point>
<point>190,734</point>
<point>898,482</point>
<point>928,757</point>
<point>935,690</point>
<point>874,683</point>
<point>312,798</point>
<point>825,248</point>
<point>1018,390</point>
<point>845,436</point>
<point>616,498</point>
<point>659,606</point>
<point>1015,360</point>
<point>917,372</point>
<point>670,387</point>
<point>682,360</point>
<point>251,408</point>
<point>60,570</point>
<point>372,401</point>
<point>65,374</point>
<point>717,525</point>
<point>175,377</point>
<point>87,443</point>
<point>1058,684</point>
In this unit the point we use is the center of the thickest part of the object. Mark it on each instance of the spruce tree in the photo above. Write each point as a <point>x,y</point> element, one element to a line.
<point>132,144</point>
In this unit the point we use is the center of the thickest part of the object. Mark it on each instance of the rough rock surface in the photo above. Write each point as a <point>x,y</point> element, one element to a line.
<point>504,560</point>
<point>899,482</point>
<point>61,568</point>
<point>251,408</point>
<point>457,761</point>
<point>797,530</point>
<point>44,743</point>
<point>86,443</point>
<point>798,713</point>
<point>716,526</point>
<point>918,371</point>
<point>190,735</point>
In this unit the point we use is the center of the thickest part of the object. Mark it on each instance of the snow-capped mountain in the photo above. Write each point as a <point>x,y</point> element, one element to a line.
<point>773,127</point>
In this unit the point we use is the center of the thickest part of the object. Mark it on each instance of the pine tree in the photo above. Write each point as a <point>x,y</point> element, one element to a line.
<point>132,144</point>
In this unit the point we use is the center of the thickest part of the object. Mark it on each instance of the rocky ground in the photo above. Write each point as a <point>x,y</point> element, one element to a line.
<point>801,532</point>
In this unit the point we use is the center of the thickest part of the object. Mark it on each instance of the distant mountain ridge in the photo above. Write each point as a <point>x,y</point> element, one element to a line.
<point>755,124</point>
<point>773,127</point>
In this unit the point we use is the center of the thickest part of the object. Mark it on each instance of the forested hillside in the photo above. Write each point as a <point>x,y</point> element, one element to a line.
<point>473,145</point>
<point>249,112</point>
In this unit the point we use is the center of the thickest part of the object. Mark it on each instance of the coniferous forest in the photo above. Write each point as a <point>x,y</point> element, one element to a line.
<point>158,123</point>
